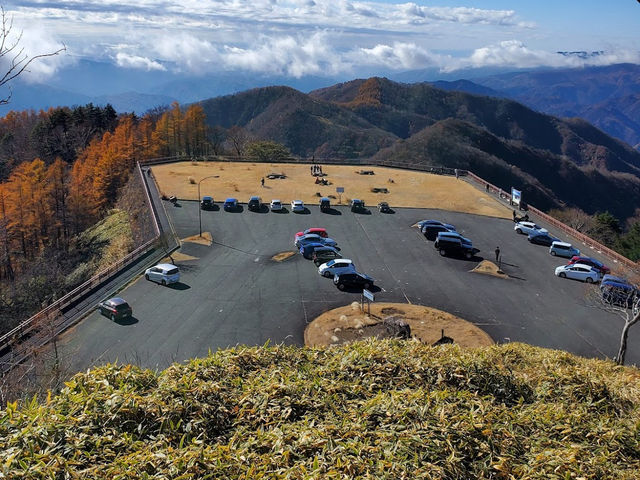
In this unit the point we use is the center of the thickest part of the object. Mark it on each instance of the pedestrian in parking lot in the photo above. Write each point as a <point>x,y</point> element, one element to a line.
<point>497,254</point>
<point>457,173</point>
<point>514,216</point>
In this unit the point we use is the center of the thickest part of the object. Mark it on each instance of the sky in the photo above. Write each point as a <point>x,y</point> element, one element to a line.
<point>296,38</point>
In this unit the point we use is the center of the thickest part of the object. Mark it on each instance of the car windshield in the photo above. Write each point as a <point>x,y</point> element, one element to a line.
<point>173,271</point>
<point>122,307</point>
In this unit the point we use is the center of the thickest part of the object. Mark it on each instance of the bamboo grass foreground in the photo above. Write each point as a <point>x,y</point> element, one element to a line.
<point>375,409</point>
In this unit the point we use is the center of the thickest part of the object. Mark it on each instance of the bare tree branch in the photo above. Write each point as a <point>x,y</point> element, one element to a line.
<point>17,60</point>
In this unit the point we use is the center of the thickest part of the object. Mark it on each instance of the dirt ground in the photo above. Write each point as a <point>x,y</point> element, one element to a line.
<point>405,188</point>
<point>348,323</point>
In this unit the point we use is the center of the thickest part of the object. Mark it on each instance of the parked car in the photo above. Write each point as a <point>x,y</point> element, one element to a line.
<point>255,204</point>
<point>432,231</point>
<point>325,204</point>
<point>336,267</point>
<point>297,206</point>
<point>527,228</point>
<point>316,230</point>
<point>324,254</point>
<point>206,203</point>
<point>591,262</point>
<point>230,204</point>
<point>577,271</point>
<point>421,224</point>
<point>563,249</point>
<point>163,273</point>
<point>357,205</point>
<point>353,279</point>
<point>275,205</point>
<point>307,249</point>
<point>542,239</point>
<point>447,235</point>
<point>618,291</point>
<point>115,308</point>
<point>455,246</point>
<point>313,238</point>
<point>383,207</point>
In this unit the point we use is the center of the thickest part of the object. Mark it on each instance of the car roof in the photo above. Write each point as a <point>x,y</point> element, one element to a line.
<point>326,248</point>
<point>165,266</point>
<point>231,199</point>
<point>255,197</point>
<point>562,244</point>
<point>117,301</point>
<point>207,197</point>
<point>584,265</point>
<point>296,201</point>
<point>275,201</point>
<point>341,260</point>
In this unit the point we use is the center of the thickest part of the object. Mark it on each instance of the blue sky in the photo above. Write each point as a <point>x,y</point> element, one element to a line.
<point>326,37</point>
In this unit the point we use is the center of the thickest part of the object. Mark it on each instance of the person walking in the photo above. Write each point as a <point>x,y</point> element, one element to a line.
<point>457,174</point>
<point>262,181</point>
<point>497,254</point>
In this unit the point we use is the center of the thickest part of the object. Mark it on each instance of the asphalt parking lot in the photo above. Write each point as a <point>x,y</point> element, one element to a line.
<point>234,293</point>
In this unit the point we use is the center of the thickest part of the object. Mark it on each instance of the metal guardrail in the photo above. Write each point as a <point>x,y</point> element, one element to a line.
<point>51,318</point>
<point>586,240</point>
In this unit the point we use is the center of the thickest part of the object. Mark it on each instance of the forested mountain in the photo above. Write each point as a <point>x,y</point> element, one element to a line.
<point>555,162</point>
<point>608,97</point>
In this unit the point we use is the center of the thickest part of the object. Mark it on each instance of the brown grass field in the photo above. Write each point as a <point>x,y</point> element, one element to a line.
<point>405,188</point>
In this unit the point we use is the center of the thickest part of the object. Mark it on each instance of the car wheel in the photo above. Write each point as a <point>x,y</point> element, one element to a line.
<point>325,274</point>
<point>164,283</point>
<point>366,286</point>
<point>518,230</point>
<point>468,255</point>
<point>589,280</point>
<point>341,286</point>
<point>147,277</point>
<point>562,275</point>
<point>443,252</point>
<point>113,317</point>
<point>553,253</point>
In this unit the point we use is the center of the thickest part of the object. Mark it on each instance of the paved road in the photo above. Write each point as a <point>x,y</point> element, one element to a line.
<point>234,293</point>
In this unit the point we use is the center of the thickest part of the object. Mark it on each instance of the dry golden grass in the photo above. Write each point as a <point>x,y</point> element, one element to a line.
<point>408,189</point>
<point>206,239</point>
<point>426,324</point>
<point>281,257</point>
<point>489,268</point>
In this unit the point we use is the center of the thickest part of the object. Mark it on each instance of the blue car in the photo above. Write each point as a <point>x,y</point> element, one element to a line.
<point>307,249</point>
<point>230,204</point>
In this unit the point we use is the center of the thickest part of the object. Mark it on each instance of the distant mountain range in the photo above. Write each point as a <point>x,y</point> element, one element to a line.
<point>555,162</point>
<point>608,97</point>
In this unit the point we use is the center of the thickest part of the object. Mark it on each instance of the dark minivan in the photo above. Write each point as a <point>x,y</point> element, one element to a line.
<point>255,204</point>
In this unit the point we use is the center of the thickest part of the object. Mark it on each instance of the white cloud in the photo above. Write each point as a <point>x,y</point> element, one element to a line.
<point>290,37</point>
<point>134,61</point>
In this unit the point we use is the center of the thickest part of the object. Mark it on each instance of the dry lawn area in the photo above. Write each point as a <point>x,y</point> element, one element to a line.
<point>348,323</point>
<point>405,188</point>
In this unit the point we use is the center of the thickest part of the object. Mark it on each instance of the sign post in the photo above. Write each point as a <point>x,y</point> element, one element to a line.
<point>516,196</point>
<point>339,191</point>
<point>369,297</point>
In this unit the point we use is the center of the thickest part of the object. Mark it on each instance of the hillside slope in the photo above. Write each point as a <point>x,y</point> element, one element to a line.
<point>368,410</point>
<point>307,126</point>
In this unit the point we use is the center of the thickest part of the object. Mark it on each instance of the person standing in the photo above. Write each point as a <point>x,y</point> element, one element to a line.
<point>457,173</point>
<point>262,181</point>
<point>497,254</point>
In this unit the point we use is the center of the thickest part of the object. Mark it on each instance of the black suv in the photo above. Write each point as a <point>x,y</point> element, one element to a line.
<point>384,207</point>
<point>355,279</point>
<point>255,204</point>
<point>451,246</point>
<point>325,204</point>
<point>206,203</point>
<point>322,255</point>
<point>357,205</point>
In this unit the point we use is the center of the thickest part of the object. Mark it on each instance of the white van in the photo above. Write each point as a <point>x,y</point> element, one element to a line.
<point>563,249</point>
<point>163,273</point>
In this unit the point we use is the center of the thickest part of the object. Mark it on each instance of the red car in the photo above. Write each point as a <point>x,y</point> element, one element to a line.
<point>592,262</point>
<point>318,231</point>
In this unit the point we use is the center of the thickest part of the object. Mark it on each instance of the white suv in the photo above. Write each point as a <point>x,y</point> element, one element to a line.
<point>164,273</point>
<point>528,228</point>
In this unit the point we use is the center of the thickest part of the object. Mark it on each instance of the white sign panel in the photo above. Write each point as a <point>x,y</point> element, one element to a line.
<point>339,189</point>
<point>516,195</point>
<point>368,295</point>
